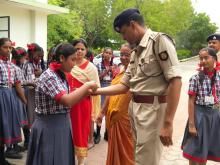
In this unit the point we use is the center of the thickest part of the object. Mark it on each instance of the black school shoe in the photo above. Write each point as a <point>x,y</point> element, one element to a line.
<point>26,145</point>
<point>106,135</point>
<point>97,138</point>
<point>12,154</point>
<point>19,148</point>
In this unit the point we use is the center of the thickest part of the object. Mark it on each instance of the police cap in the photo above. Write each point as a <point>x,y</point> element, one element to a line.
<point>124,17</point>
<point>213,37</point>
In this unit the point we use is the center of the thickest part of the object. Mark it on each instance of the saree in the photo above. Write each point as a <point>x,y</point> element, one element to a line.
<point>81,112</point>
<point>120,140</point>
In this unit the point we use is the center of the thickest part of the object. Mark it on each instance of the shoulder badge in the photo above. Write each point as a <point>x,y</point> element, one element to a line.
<point>163,56</point>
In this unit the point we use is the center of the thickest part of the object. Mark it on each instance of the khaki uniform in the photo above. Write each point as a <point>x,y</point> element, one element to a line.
<point>151,67</point>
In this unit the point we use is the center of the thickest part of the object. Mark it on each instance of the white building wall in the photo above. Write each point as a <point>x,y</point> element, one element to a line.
<point>26,26</point>
<point>39,28</point>
<point>20,25</point>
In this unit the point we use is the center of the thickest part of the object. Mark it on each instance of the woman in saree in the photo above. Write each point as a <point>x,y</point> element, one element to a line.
<point>85,112</point>
<point>115,109</point>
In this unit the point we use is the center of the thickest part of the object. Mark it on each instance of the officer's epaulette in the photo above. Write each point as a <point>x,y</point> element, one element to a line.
<point>134,50</point>
<point>154,37</point>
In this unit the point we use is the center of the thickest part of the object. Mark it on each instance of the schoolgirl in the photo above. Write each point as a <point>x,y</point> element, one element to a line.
<point>105,70</point>
<point>51,140</point>
<point>9,125</point>
<point>18,56</point>
<point>201,139</point>
<point>35,53</point>
<point>32,70</point>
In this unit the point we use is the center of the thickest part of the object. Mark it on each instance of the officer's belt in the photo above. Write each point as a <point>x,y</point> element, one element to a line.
<point>148,99</point>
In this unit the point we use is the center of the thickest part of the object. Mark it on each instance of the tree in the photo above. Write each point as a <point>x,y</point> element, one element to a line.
<point>61,3</point>
<point>94,20</point>
<point>194,38</point>
<point>176,16</point>
<point>63,27</point>
<point>94,16</point>
<point>169,16</point>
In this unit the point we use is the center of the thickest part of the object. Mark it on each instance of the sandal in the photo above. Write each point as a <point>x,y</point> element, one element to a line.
<point>91,145</point>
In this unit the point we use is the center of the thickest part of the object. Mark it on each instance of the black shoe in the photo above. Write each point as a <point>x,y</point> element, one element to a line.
<point>94,134</point>
<point>19,148</point>
<point>106,135</point>
<point>97,138</point>
<point>25,145</point>
<point>13,154</point>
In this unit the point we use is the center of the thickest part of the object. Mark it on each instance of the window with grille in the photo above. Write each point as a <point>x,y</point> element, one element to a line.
<point>4,26</point>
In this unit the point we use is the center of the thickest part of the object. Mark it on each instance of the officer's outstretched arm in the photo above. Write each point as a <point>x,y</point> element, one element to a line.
<point>112,90</point>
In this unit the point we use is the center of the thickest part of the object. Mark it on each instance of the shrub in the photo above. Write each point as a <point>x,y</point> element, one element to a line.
<point>183,53</point>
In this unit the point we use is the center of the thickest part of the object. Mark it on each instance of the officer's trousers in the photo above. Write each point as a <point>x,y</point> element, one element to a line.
<point>146,121</point>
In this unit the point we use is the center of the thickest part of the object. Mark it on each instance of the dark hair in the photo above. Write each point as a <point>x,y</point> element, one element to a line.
<point>17,54</point>
<point>81,40</point>
<point>89,55</point>
<point>111,61</point>
<point>137,18</point>
<point>18,51</point>
<point>50,55</point>
<point>134,17</point>
<point>107,48</point>
<point>65,49</point>
<point>211,52</point>
<point>4,40</point>
<point>33,47</point>
<point>126,16</point>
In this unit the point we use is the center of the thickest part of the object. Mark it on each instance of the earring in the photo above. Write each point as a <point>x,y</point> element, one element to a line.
<point>215,64</point>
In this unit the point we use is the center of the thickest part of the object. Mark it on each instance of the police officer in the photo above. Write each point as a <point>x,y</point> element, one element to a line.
<point>155,83</point>
<point>214,42</point>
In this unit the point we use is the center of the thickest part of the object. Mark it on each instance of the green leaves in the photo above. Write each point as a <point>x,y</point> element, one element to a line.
<point>93,19</point>
<point>63,27</point>
<point>194,37</point>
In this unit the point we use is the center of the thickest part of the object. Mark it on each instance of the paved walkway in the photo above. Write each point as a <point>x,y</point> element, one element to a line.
<point>171,155</point>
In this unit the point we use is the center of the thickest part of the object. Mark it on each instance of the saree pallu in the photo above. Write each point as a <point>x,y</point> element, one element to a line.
<point>80,113</point>
<point>120,140</point>
<point>88,72</point>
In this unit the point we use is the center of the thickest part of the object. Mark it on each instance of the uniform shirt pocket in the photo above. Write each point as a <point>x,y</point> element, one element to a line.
<point>150,67</point>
